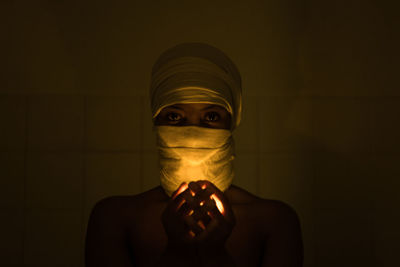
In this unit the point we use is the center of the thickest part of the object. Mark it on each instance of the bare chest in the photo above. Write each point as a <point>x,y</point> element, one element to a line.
<point>148,239</point>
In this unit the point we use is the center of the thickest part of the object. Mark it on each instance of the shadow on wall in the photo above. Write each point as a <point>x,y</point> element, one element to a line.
<point>322,155</point>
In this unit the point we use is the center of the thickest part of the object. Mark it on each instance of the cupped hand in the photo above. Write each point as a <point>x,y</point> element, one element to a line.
<point>179,226</point>
<point>198,213</point>
<point>214,211</point>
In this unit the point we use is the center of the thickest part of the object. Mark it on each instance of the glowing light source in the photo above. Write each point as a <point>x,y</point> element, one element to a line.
<point>182,188</point>
<point>218,203</point>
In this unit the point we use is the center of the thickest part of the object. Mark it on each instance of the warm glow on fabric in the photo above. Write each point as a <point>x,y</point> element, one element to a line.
<point>191,153</point>
<point>196,73</point>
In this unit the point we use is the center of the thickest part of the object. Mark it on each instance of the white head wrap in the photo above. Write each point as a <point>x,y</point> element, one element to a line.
<point>195,73</point>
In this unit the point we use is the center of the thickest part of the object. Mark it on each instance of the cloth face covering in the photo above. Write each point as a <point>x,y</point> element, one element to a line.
<point>195,73</point>
<point>191,153</point>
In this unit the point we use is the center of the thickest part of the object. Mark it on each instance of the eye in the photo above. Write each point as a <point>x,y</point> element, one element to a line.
<point>174,117</point>
<point>212,116</point>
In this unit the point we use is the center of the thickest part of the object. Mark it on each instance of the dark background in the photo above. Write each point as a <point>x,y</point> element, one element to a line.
<point>320,126</point>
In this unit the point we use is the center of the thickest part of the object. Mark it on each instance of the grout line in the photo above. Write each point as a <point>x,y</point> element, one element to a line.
<point>241,151</point>
<point>90,151</point>
<point>24,208</point>
<point>314,152</point>
<point>250,94</point>
<point>141,137</point>
<point>370,127</point>
<point>258,152</point>
<point>145,95</point>
<point>84,188</point>
<point>71,93</point>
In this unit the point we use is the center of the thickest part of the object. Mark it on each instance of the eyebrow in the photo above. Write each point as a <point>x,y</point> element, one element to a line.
<point>210,106</point>
<point>176,107</point>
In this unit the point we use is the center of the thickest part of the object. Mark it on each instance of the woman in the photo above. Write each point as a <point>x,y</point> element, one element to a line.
<point>196,217</point>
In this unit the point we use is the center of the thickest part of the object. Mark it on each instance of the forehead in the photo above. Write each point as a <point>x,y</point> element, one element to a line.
<point>196,107</point>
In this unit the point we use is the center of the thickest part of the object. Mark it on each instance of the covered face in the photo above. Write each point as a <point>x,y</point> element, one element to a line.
<point>195,73</point>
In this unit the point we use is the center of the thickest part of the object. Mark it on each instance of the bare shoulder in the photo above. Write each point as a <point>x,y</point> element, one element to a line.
<point>109,225</point>
<point>238,195</point>
<point>272,214</point>
<point>277,223</point>
<point>119,209</point>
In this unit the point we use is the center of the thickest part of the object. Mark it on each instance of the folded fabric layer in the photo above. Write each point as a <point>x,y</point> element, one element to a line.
<point>196,73</point>
<point>191,153</point>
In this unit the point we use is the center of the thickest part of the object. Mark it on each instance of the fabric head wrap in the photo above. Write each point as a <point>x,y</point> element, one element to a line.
<point>195,73</point>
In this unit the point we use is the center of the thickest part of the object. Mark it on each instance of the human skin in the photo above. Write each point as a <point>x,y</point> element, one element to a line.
<point>152,229</point>
<point>194,114</point>
<point>204,242</point>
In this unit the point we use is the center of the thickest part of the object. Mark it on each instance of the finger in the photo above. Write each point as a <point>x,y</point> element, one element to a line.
<point>189,198</point>
<point>211,209</point>
<point>215,214</point>
<point>217,227</point>
<point>193,225</point>
<point>186,196</point>
<point>177,203</point>
<point>204,194</point>
<point>201,224</point>
<point>185,210</point>
<point>180,189</point>
<point>214,193</point>
<point>195,187</point>
<point>205,183</point>
<point>209,204</point>
<point>220,211</point>
<point>218,203</point>
<point>207,233</point>
<point>190,235</point>
<point>212,188</point>
<point>219,198</point>
<point>200,214</point>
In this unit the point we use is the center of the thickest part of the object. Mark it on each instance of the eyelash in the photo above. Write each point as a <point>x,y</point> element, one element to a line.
<point>173,114</point>
<point>213,113</point>
<point>169,117</point>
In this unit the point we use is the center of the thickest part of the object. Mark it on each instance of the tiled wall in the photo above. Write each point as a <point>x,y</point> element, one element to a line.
<point>61,154</point>
<point>320,123</point>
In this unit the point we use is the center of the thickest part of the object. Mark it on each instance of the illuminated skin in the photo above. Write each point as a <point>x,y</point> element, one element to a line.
<point>126,231</point>
<point>201,212</point>
<point>196,114</point>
